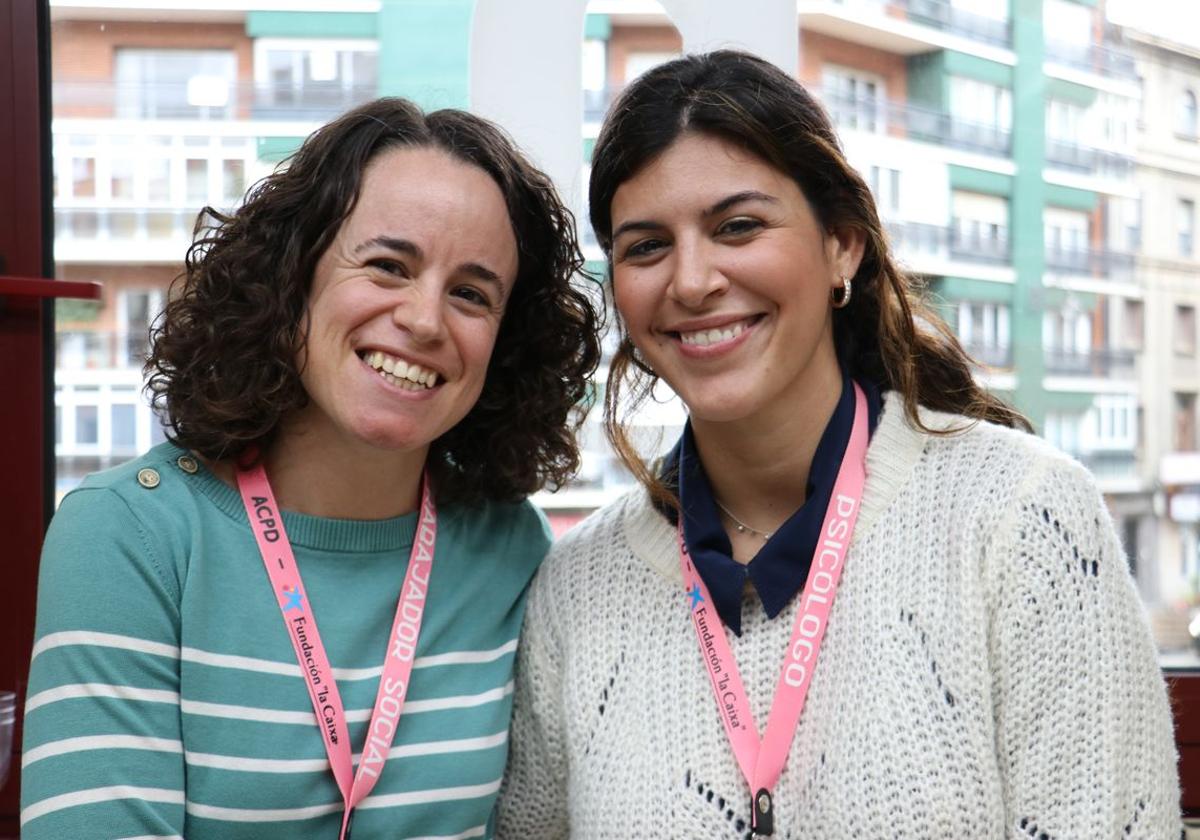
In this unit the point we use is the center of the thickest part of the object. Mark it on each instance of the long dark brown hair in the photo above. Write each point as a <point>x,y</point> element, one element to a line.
<point>223,367</point>
<point>886,334</point>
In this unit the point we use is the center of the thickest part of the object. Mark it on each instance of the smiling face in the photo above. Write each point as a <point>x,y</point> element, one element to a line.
<point>723,275</point>
<point>406,303</point>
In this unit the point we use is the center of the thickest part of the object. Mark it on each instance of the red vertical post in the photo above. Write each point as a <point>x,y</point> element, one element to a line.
<point>26,325</point>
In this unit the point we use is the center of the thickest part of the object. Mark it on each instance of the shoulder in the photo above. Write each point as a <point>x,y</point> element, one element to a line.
<point>135,513</point>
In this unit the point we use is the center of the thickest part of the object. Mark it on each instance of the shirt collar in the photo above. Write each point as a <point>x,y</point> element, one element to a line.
<point>780,568</point>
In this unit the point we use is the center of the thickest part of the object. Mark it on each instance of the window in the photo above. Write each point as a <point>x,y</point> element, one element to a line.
<point>980,226</point>
<point>1132,321</point>
<point>1114,423</point>
<point>1187,226</point>
<point>314,78</point>
<point>1185,330</point>
<point>1066,238</point>
<point>981,114</point>
<point>885,186</point>
<point>1065,121</point>
<point>1185,422</point>
<point>855,99</point>
<point>1189,119</point>
<point>1062,430</point>
<point>136,311</point>
<point>983,329</point>
<point>169,84</point>
<point>1133,223</point>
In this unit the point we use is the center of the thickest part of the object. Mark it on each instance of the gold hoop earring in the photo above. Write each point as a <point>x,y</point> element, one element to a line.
<point>841,295</point>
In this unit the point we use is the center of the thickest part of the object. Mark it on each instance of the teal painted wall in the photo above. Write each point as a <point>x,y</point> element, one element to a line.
<point>980,181</point>
<point>1025,210</point>
<point>973,67</point>
<point>424,51</point>
<point>275,149</point>
<point>927,82</point>
<point>954,289</point>
<point>1071,198</point>
<point>597,27</point>
<point>310,25</point>
<point>1070,92</point>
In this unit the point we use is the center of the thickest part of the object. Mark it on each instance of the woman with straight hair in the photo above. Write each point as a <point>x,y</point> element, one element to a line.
<point>858,598</point>
<point>298,618</point>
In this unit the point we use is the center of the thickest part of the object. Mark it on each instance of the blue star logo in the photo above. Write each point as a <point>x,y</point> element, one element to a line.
<point>294,599</point>
<point>696,595</point>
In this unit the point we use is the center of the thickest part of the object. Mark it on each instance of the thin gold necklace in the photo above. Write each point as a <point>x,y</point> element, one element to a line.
<point>742,527</point>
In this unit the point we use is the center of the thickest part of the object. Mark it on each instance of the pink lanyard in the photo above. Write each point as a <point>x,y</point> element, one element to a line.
<point>301,625</point>
<point>762,762</point>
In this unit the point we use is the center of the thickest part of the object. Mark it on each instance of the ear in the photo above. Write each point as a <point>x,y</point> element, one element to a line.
<point>844,250</point>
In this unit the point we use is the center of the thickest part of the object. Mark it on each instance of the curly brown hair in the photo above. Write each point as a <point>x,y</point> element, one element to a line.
<point>886,334</point>
<point>223,367</point>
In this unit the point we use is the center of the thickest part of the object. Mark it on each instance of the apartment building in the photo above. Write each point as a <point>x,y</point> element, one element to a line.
<point>1168,264</point>
<point>1002,148</point>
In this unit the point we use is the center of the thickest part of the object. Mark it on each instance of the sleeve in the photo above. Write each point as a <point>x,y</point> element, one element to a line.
<point>1083,726</point>
<point>533,797</point>
<point>102,753</point>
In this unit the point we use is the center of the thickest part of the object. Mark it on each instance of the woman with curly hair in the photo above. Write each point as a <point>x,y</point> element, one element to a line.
<point>857,599</point>
<point>304,607</point>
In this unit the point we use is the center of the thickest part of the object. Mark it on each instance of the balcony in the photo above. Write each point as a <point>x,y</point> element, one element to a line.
<point>990,355</point>
<point>970,247</point>
<point>1090,262</point>
<point>1102,59</point>
<point>97,350</point>
<point>927,125</point>
<point>1099,363</point>
<point>1088,160</point>
<point>313,102</point>
<point>1114,470</point>
<point>942,16</point>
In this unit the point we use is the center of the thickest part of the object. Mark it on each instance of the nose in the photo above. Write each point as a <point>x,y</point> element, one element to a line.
<point>696,278</point>
<point>419,311</point>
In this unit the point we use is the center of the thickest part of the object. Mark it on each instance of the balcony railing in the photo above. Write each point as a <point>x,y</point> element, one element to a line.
<point>946,17</point>
<point>1091,262</point>
<point>904,119</point>
<point>1103,59</point>
<point>991,355</point>
<point>1087,159</point>
<point>1096,362</point>
<point>100,350</point>
<point>980,249</point>
<point>312,102</point>
<point>921,238</point>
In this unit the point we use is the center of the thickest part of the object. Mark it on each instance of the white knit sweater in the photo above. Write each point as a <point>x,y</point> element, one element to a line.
<point>987,671</point>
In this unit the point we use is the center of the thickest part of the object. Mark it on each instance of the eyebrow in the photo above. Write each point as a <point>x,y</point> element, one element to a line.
<point>720,207</point>
<point>405,246</point>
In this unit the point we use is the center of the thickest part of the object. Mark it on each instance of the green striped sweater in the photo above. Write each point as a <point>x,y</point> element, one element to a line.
<point>165,699</point>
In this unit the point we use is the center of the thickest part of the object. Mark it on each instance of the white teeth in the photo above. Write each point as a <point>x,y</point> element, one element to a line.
<point>396,371</point>
<point>703,338</point>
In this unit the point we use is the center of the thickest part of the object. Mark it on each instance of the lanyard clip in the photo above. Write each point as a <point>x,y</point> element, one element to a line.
<point>762,810</point>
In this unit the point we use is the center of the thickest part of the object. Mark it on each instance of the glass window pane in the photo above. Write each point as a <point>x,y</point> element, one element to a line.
<point>124,425</point>
<point>197,181</point>
<point>87,428</point>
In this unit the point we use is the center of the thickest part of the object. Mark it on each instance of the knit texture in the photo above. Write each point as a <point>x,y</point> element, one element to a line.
<point>165,699</point>
<point>987,671</point>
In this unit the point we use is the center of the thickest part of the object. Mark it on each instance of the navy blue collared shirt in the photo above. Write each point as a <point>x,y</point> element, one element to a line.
<point>780,568</point>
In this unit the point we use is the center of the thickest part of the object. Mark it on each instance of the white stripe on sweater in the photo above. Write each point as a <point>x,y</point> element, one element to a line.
<point>99,742</point>
<point>389,800</point>
<point>119,692</point>
<point>315,765</point>
<point>86,638</point>
<point>92,796</point>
